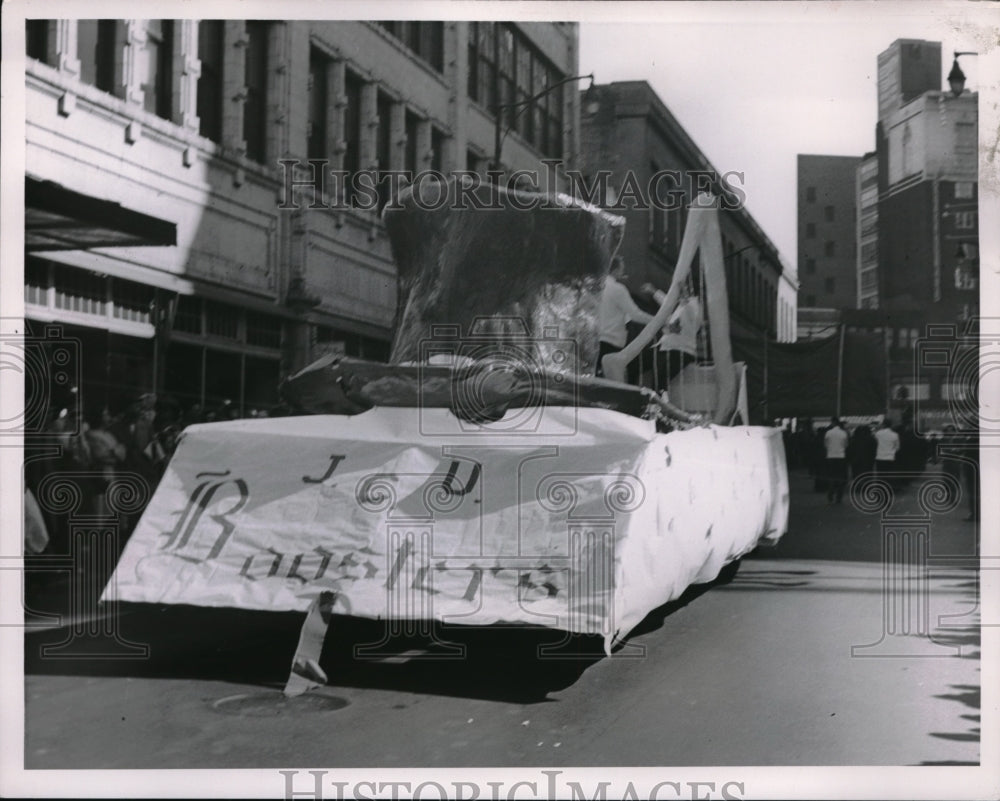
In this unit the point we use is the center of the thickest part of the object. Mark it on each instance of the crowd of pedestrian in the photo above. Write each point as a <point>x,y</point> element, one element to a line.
<point>834,456</point>
<point>86,450</point>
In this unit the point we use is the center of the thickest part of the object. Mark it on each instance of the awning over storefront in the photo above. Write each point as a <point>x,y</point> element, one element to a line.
<point>57,218</point>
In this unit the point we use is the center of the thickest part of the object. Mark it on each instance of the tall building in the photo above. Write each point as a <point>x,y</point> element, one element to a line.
<point>928,222</point>
<point>907,69</point>
<point>628,131</point>
<point>928,204</point>
<point>916,232</point>
<point>867,232</point>
<point>173,225</point>
<point>827,258</point>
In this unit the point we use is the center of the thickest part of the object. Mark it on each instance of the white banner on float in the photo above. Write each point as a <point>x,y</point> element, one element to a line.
<point>586,533</point>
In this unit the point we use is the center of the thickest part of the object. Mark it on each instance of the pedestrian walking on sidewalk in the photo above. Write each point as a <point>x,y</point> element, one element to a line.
<point>835,443</point>
<point>887,446</point>
<point>861,451</point>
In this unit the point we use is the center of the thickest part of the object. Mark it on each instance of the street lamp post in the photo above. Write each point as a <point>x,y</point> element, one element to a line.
<point>956,78</point>
<point>499,133</point>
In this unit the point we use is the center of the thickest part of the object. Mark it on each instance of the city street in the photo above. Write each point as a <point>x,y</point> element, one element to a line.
<point>759,671</point>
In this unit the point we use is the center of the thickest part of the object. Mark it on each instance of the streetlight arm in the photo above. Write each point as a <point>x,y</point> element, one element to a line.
<point>500,133</point>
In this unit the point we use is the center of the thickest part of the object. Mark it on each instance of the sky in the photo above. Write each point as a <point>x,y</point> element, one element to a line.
<point>755,87</point>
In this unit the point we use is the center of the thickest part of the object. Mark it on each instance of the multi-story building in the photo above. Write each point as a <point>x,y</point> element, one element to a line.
<point>916,259</point>
<point>826,231</point>
<point>628,131</point>
<point>928,226</point>
<point>174,226</point>
<point>867,232</point>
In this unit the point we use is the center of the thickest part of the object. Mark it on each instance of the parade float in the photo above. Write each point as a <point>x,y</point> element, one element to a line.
<point>484,475</point>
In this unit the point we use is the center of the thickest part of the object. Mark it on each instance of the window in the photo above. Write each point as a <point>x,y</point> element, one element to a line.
<point>869,252</point>
<point>828,248</point>
<point>37,39</point>
<point>745,289</point>
<point>965,138</point>
<point>811,301</point>
<point>810,194</point>
<point>36,281</point>
<point>223,373</point>
<point>437,150</point>
<point>263,330</point>
<point>964,190</point>
<point>965,220</point>
<point>828,213</point>
<point>211,42</point>
<point>222,320</point>
<point>96,50</point>
<point>132,301</point>
<point>426,39</point>
<point>255,105</point>
<point>525,120</point>
<point>505,68</point>
<point>810,266</point>
<point>352,129</point>
<point>317,123</point>
<point>810,230</point>
<point>79,290</point>
<point>829,285</point>
<point>482,60</point>
<point>261,381</point>
<point>412,122</point>
<point>187,315</point>
<point>158,72</point>
<point>383,145</point>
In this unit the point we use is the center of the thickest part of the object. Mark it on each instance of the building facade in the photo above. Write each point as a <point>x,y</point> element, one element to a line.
<point>928,222</point>
<point>826,231</point>
<point>628,131</point>
<point>916,257</point>
<point>175,226</point>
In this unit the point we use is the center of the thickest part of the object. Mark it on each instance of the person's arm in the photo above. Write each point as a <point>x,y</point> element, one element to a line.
<point>672,412</point>
<point>632,312</point>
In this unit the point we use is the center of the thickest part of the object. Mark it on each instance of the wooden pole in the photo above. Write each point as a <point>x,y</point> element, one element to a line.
<point>840,368</point>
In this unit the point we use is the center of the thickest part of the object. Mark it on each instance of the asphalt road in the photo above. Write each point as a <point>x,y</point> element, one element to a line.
<point>772,668</point>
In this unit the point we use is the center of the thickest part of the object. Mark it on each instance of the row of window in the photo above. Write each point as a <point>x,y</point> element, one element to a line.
<point>66,288</point>
<point>752,294</point>
<point>352,129</point>
<point>504,68</point>
<point>829,214</point>
<point>829,249</point>
<point>508,75</point>
<point>100,44</point>
<point>424,39</point>
<point>208,318</point>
